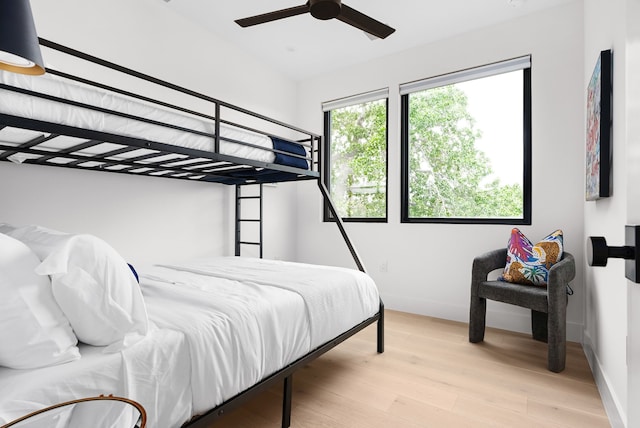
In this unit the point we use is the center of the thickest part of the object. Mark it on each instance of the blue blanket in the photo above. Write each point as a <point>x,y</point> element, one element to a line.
<point>290,147</point>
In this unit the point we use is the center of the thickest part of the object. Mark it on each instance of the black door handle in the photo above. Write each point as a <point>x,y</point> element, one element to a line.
<point>598,252</point>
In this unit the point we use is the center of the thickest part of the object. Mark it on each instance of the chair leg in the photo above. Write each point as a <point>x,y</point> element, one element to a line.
<point>539,326</point>
<point>557,352</point>
<point>477,319</point>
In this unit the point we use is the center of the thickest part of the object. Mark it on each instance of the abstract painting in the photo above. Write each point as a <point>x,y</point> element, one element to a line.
<point>598,162</point>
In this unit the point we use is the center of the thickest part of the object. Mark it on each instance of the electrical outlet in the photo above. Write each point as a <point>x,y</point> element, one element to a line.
<point>384,267</point>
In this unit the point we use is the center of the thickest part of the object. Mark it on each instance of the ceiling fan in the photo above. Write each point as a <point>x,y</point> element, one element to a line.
<point>324,9</point>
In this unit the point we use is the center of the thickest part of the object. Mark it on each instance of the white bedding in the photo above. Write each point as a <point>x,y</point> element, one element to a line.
<point>221,325</point>
<point>325,290</point>
<point>154,372</point>
<point>236,334</point>
<point>246,318</point>
<point>37,108</point>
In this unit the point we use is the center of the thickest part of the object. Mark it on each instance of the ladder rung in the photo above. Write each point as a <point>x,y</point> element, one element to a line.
<point>239,199</point>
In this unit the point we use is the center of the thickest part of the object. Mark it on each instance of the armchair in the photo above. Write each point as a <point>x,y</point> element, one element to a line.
<point>548,304</point>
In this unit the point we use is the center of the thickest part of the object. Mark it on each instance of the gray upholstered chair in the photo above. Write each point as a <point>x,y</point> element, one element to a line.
<point>548,305</point>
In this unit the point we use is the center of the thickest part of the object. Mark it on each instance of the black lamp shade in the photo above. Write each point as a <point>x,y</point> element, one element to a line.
<point>19,46</point>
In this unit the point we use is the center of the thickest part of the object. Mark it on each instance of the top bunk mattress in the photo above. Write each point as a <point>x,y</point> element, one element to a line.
<point>120,115</point>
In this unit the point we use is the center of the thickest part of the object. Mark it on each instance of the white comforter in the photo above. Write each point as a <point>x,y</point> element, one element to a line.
<point>246,318</point>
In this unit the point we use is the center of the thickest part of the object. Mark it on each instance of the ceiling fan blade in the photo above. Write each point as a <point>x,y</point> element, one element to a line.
<point>365,23</point>
<point>273,16</point>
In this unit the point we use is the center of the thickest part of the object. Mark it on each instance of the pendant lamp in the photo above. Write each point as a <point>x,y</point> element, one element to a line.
<point>19,46</point>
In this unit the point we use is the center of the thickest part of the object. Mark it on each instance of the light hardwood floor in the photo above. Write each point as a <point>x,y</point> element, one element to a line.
<point>431,376</point>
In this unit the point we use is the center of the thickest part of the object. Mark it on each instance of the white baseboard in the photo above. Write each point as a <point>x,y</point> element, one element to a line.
<point>499,315</point>
<point>608,398</point>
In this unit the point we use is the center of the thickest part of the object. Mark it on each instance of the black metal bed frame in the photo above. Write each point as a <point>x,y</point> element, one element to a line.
<point>199,165</point>
<point>190,164</point>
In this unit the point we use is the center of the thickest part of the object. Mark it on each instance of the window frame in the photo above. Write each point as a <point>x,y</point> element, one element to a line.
<point>326,167</point>
<point>527,162</point>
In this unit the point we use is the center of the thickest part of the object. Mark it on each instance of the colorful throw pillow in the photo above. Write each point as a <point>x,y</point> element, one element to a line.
<point>529,263</point>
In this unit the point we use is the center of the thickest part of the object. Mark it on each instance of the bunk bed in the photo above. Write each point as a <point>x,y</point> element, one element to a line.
<point>69,121</point>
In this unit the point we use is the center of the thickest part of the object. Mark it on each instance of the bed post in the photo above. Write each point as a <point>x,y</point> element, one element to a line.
<point>286,401</point>
<point>356,258</point>
<point>380,326</point>
<point>323,169</point>
<point>340,223</point>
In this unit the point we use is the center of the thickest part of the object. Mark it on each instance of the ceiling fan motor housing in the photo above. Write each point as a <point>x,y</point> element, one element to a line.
<point>325,9</point>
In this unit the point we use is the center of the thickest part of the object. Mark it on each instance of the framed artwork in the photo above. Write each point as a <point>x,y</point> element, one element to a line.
<point>598,162</point>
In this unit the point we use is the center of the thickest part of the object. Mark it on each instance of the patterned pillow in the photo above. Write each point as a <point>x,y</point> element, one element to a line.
<point>528,263</point>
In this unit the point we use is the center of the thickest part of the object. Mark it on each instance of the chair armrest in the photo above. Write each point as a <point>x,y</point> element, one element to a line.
<point>485,263</point>
<point>560,275</point>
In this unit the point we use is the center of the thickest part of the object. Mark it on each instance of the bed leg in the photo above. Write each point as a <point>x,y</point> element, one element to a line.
<point>286,401</point>
<point>381,329</point>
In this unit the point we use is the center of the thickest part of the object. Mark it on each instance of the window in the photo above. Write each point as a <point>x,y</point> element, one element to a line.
<point>356,156</point>
<point>466,146</point>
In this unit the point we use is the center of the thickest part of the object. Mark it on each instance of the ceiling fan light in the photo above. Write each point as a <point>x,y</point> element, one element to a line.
<point>19,46</point>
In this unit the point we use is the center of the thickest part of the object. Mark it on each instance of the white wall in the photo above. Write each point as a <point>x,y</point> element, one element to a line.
<point>148,36</point>
<point>633,176</point>
<point>147,219</point>
<point>612,320</point>
<point>429,265</point>
<point>606,310</point>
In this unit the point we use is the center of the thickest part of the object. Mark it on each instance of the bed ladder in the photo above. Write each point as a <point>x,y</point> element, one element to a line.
<point>250,215</point>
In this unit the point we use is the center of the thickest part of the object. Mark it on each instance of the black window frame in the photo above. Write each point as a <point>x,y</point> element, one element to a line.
<point>527,167</point>
<point>327,216</point>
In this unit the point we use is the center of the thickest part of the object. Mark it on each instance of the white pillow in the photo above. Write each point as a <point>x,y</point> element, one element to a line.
<point>33,330</point>
<point>93,285</point>
<point>41,240</point>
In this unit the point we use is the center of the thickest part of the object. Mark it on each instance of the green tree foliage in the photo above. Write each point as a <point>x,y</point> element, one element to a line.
<point>359,159</point>
<point>448,175</point>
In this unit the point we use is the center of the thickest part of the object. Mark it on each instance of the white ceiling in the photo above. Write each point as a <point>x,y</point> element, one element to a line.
<point>302,46</point>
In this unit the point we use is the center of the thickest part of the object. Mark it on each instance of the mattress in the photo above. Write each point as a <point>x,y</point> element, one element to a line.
<point>192,132</point>
<point>142,373</point>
